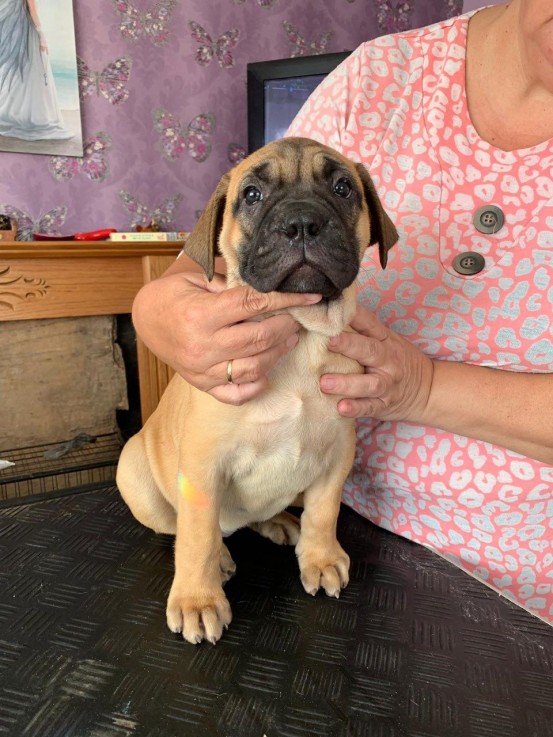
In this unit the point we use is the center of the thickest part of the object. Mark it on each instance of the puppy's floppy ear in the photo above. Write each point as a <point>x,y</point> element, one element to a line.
<point>201,244</point>
<point>383,231</point>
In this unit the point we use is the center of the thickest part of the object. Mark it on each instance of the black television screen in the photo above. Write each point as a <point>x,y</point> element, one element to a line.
<point>277,90</point>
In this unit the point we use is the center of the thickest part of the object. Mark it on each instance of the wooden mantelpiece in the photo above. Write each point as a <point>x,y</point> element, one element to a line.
<point>77,278</point>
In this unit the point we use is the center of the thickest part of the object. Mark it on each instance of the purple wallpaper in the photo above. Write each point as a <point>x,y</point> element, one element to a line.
<point>163,99</point>
<point>475,4</point>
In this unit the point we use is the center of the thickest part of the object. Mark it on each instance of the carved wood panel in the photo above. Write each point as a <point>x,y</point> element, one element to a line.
<point>16,288</point>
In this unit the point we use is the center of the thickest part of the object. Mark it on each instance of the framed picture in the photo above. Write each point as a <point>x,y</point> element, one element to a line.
<point>39,88</point>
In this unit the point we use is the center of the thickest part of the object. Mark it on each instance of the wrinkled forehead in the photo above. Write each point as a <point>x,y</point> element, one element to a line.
<point>290,161</point>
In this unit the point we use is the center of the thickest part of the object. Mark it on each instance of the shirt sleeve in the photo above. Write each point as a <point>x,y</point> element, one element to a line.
<point>353,107</point>
<point>325,115</point>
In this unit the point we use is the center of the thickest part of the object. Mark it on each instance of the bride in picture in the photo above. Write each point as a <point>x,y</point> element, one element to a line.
<point>29,107</point>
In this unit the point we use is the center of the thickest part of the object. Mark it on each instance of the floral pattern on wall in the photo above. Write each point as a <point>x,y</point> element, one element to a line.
<point>163,100</point>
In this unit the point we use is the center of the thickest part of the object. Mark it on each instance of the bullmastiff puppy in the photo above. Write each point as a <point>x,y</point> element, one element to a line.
<point>295,216</point>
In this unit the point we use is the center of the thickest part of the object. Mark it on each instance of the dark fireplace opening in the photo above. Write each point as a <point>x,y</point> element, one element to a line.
<point>129,420</point>
<point>85,461</point>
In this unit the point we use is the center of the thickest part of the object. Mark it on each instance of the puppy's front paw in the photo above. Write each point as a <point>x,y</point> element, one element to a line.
<point>326,568</point>
<point>200,616</point>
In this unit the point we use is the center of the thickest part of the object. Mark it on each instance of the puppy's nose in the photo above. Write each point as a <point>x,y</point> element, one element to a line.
<point>303,225</point>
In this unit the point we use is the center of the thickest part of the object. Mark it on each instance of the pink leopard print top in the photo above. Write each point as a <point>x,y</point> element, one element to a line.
<point>398,105</point>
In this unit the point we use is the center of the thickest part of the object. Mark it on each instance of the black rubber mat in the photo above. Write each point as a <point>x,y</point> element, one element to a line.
<point>414,647</point>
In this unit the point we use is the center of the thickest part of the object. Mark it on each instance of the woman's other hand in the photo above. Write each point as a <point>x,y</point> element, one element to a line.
<point>397,376</point>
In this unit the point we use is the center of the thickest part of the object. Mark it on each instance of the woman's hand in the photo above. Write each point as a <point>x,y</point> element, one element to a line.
<point>397,379</point>
<point>42,41</point>
<point>197,327</point>
<point>506,408</point>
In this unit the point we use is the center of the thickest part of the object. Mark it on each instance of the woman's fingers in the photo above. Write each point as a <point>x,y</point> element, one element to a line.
<point>238,393</point>
<point>367,323</point>
<point>367,394</point>
<point>251,369</point>
<point>369,352</point>
<point>243,303</point>
<point>397,376</point>
<point>197,326</point>
<point>360,407</point>
<point>251,338</point>
<point>253,348</point>
<point>208,321</point>
<point>371,386</point>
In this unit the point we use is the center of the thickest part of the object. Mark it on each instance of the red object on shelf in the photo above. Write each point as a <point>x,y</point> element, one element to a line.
<point>93,235</point>
<point>48,237</point>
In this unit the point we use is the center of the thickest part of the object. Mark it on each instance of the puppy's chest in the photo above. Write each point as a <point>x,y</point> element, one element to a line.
<point>294,408</point>
<point>295,417</point>
<point>288,444</point>
<point>290,435</point>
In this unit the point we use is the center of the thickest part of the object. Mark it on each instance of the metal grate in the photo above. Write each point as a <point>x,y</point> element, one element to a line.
<point>35,475</point>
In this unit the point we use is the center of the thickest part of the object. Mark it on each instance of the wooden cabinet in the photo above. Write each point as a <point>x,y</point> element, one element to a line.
<point>76,278</point>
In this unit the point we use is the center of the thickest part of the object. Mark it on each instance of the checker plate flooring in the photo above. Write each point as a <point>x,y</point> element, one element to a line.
<point>413,648</point>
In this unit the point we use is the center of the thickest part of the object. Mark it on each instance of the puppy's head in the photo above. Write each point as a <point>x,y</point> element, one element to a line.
<point>295,216</point>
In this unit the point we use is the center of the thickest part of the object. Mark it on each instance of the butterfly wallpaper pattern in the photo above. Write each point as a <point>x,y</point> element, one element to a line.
<point>112,81</point>
<point>141,214</point>
<point>177,138</point>
<point>219,49</point>
<point>93,164</point>
<point>162,86</point>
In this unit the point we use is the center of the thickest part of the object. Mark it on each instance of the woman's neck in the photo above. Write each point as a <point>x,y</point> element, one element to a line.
<point>509,79</point>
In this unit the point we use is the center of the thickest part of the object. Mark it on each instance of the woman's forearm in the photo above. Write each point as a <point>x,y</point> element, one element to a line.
<point>31,4</point>
<point>506,408</point>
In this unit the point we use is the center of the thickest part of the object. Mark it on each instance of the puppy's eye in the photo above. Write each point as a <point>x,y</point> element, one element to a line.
<point>252,195</point>
<point>342,188</point>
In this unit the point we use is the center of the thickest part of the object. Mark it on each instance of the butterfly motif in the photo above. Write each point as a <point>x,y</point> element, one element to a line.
<point>163,215</point>
<point>301,47</point>
<point>262,3</point>
<point>220,49</point>
<point>93,163</point>
<point>110,82</point>
<point>177,138</point>
<point>393,16</point>
<point>50,222</point>
<point>153,24</point>
<point>236,153</point>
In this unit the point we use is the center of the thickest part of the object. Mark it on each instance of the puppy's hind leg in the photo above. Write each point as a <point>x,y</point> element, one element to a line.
<point>282,529</point>
<point>226,565</point>
<point>139,490</point>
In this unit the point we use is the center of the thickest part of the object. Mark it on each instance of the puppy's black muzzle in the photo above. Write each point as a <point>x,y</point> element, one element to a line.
<point>301,246</point>
<point>303,224</point>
